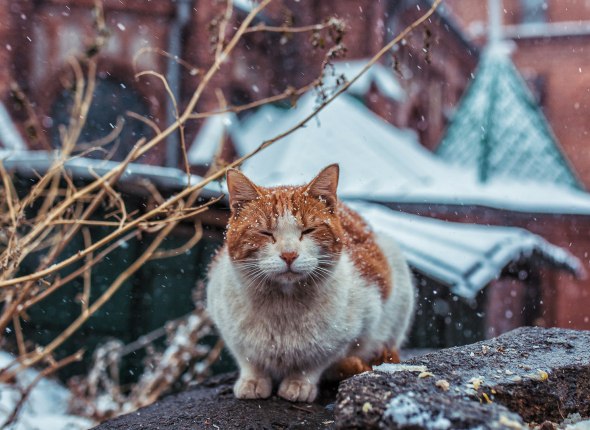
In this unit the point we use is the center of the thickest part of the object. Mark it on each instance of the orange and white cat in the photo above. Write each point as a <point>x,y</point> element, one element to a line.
<point>301,284</point>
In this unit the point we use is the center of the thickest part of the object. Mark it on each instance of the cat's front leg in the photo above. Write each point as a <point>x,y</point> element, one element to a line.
<point>252,383</point>
<point>301,386</point>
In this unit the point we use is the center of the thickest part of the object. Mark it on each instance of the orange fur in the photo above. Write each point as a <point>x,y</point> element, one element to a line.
<point>335,230</point>
<point>353,365</point>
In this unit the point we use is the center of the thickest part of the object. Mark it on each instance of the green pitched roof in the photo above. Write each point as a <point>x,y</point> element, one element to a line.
<point>500,130</point>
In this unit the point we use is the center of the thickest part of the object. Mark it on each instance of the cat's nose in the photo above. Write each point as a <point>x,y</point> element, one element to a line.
<point>289,257</point>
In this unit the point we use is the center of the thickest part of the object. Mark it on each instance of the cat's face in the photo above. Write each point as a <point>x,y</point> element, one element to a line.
<point>284,235</point>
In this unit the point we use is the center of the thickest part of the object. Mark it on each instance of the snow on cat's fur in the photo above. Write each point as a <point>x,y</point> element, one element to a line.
<point>301,284</point>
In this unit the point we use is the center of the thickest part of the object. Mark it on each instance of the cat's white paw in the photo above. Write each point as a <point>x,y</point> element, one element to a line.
<point>298,390</point>
<point>253,388</point>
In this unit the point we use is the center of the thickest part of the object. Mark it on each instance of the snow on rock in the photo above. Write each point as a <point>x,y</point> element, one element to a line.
<point>46,407</point>
<point>394,367</point>
<point>479,393</point>
<point>404,410</point>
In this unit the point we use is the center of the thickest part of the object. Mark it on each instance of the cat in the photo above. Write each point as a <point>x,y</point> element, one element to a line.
<point>301,284</point>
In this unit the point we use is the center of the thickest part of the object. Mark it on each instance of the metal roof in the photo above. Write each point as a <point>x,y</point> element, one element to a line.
<point>33,163</point>
<point>499,129</point>
<point>465,257</point>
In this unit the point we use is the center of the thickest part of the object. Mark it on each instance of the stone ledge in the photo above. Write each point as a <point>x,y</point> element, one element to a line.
<point>529,374</point>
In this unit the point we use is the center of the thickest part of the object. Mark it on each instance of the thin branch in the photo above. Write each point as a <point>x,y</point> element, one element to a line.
<point>286,28</point>
<point>22,350</point>
<point>37,356</point>
<point>85,299</point>
<point>145,120</point>
<point>181,249</point>
<point>57,284</point>
<point>193,70</point>
<point>222,27</point>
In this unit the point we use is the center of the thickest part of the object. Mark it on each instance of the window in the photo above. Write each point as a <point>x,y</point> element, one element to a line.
<point>111,100</point>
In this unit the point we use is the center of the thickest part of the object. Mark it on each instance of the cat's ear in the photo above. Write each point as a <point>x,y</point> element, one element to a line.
<point>241,189</point>
<point>324,185</point>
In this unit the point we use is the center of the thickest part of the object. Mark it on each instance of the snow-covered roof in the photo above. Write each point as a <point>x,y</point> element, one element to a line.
<point>29,162</point>
<point>380,162</point>
<point>245,5</point>
<point>499,130</point>
<point>466,257</point>
<point>10,138</point>
<point>210,137</point>
<point>378,75</point>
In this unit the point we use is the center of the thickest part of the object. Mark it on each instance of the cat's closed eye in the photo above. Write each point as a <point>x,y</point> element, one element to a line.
<point>268,234</point>
<point>307,231</point>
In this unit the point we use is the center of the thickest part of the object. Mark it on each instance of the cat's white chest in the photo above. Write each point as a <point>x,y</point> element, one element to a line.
<point>286,333</point>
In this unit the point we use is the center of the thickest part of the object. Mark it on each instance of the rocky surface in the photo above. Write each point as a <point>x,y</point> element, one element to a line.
<point>213,406</point>
<point>528,375</point>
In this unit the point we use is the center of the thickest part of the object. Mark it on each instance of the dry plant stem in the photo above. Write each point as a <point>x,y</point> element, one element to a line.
<point>288,93</point>
<point>163,79</point>
<point>181,249</point>
<point>44,373</point>
<point>87,222</point>
<point>222,28</point>
<point>287,29</point>
<point>129,226</point>
<point>87,274</point>
<point>119,169</point>
<point>96,200</point>
<point>37,356</point>
<point>106,139</point>
<point>58,248</point>
<point>57,284</point>
<point>32,120</point>
<point>82,101</point>
<point>221,172</point>
<point>116,197</point>
<point>50,197</point>
<point>20,341</point>
<point>193,70</point>
<point>151,124</point>
<point>10,194</point>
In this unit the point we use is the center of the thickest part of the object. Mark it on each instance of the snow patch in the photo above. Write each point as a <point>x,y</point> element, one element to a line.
<point>405,411</point>
<point>46,407</point>
<point>393,368</point>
